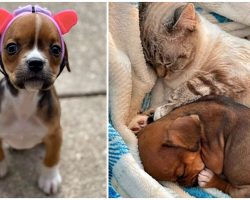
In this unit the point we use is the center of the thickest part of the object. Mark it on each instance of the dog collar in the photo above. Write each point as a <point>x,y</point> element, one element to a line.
<point>63,21</point>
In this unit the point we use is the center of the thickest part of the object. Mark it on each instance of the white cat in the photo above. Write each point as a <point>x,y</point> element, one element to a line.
<point>192,57</point>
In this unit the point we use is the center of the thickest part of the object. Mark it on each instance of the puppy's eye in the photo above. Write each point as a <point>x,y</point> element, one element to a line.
<point>180,177</point>
<point>180,172</point>
<point>56,50</point>
<point>12,48</point>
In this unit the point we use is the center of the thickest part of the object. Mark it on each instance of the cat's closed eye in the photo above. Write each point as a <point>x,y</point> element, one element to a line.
<point>182,56</point>
<point>164,60</point>
<point>167,64</point>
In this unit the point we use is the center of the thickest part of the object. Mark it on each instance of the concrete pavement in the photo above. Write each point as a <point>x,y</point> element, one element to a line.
<point>83,162</point>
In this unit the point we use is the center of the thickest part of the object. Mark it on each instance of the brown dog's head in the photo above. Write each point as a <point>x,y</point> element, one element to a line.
<point>170,150</point>
<point>169,36</point>
<point>32,52</point>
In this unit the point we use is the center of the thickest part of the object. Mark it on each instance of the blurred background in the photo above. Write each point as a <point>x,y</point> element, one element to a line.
<point>83,101</point>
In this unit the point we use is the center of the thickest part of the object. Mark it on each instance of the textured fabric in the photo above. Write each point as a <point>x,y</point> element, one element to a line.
<point>198,192</point>
<point>126,175</point>
<point>130,83</point>
<point>117,148</point>
<point>130,80</point>
<point>232,17</point>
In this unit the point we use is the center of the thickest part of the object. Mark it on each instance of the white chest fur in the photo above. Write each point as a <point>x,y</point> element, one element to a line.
<point>19,125</point>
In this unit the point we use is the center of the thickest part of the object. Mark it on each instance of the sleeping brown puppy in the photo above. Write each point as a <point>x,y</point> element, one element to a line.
<point>200,142</point>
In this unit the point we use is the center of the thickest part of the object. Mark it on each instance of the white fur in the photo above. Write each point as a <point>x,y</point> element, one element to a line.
<point>35,53</point>
<point>38,28</point>
<point>204,177</point>
<point>50,179</point>
<point>20,127</point>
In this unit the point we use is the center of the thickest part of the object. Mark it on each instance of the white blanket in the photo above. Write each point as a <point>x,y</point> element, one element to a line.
<point>130,79</point>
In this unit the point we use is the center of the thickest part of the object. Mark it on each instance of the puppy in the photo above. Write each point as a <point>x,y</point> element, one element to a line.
<point>33,54</point>
<point>213,132</point>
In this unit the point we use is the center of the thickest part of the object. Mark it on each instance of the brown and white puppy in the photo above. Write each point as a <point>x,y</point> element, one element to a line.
<point>29,106</point>
<point>213,132</point>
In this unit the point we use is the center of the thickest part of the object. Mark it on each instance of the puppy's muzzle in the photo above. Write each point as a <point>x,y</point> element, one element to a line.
<point>33,75</point>
<point>35,64</point>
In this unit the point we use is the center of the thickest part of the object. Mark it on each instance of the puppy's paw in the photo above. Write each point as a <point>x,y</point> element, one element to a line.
<point>50,179</point>
<point>3,168</point>
<point>138,123</point>
<point>205,177</point>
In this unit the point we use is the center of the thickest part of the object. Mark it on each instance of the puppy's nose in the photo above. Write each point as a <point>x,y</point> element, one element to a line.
<point>35,64</point>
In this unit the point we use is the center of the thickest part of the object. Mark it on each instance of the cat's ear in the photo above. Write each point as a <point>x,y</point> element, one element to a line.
<point>185,17</point>
<point>143,6</point>
<point>142,9</point>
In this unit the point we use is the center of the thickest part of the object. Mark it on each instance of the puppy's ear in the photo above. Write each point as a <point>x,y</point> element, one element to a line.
<point>2,70</point>
<point>66,58</point>
<point>65,62</point>
<point>184,132</point>
<point>185,17</point>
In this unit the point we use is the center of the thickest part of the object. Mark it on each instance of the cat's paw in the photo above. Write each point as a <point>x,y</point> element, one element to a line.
<point>138,123</point>
<point>205,177</point>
